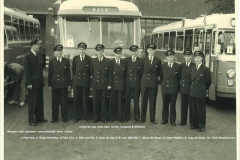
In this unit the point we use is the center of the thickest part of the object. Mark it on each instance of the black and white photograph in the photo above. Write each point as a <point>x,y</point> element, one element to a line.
<point>119,79</point>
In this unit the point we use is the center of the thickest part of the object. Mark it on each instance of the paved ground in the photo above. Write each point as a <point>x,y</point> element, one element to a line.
<point>118,141</point>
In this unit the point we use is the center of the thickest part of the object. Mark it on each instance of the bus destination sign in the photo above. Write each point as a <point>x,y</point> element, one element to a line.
<point>100,9</point>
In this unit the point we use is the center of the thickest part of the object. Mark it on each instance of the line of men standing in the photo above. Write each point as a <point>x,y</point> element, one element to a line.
<point>126,79</point>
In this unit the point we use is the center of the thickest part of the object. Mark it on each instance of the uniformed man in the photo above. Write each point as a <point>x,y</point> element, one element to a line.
<point>201,81</point>
<point>118,86</point>
<point>102,81</point>
<point>170,87</point>
<point>33,70</point>
<point>133,83</point>
<point>59,81</point>
<point>81,82</point>
<point>185,82</point>
<point>15,73</point>
<point>152,71</point>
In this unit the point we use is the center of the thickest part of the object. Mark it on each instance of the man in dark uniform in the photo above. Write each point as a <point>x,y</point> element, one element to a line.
<point>59,81</point>
<point>101,72</point>
<point>201,81</point>
<point>33,70</point>
<point>81,82</point>
<point>170,87</point>
<point>185,72</point>
<point>118,85</point>
<point>152,70</point>
<point>133,83</point>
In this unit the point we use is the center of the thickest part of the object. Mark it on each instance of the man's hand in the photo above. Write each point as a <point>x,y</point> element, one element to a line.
<point>109,87</point>
<point>50,88</point>
<point>29,86</point>
<point>5,84</point>
<point>69,87</point>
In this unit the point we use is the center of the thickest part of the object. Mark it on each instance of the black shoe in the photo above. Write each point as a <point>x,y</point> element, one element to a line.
<point>164,122</point>
<point>76,120</point>
<point>65,121</point>
<point>142,121</point>
<point>87,120</point>
<point>182,123</point>
<point>154,122</point>
<point>201,129</point>
<point>173,123</point>
<point>111,121</point>
<point>94,121</point>
<point>42,121</point>
<point>137,120</point>
<point>32,124</point>
<point>193,127</point>
<point>104,121</point>
<point>126,120</point>
<point>52,121</point>
<point>122,121</point>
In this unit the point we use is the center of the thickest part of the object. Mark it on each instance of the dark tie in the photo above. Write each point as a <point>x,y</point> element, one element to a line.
<point>169,65</point>
<point>118,62</point>
<point>134,59</point>
<point>100,60</point>
<point>59,60</point>
<point>81,58</point>
<point>197,67</point>
<point>150,59</point>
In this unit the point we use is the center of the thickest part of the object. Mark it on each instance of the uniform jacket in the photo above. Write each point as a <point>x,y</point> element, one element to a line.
<point>101,73</point>
<point>185,82</point>
<point>119,74</point>
<point>201,81</point>
<point>81,71</point>
<point>134,72</point>
<point>59,75</point>
<point>171,78</point>
<point>33,69</point>
<point>151,72</point>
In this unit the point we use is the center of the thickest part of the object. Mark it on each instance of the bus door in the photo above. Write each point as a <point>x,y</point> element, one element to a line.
<point>198,40</point>
<point>213,65</point>
<point>207,45</point>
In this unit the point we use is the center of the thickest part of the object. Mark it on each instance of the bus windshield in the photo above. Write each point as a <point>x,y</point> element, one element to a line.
<point>115,31</point>
<point>229,42</point>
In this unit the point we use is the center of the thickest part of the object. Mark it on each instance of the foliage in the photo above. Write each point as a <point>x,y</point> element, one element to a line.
<point>222,6</point>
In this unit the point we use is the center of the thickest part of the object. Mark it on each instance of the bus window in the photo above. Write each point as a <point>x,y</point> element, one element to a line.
<point>27,31</point>
<point>160,41</point>
<point>165,40</point>
<point>229,42</point>
<point>188,39</point>
<point>8,27</point>
<point>5,39</point>
<point>32,30</point>
<point>21,30</point>
<point>213,42</point>
<point>179,41</point>
<point>155,39</point>
<point>117,32</point>
<point>198,39</point>
<point>15,29</point>
<point>221,42</point>
<point>36,30</point>
<point>78,29</point>
<point>208,40</point>
<point>172,40</point>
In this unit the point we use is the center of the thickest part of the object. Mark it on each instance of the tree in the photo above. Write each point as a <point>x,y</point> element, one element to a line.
<point>222,6</point>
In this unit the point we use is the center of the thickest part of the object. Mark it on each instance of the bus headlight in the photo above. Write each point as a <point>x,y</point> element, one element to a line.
<point>230,73</point>
<point>230,82</point>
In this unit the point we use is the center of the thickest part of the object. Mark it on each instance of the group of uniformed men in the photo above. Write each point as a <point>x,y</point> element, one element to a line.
<point>122,80</point>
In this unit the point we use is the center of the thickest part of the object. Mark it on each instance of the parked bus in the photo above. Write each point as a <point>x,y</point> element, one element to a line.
<point>214,35</point>
<point>110,22</point>
<point>19,30</point>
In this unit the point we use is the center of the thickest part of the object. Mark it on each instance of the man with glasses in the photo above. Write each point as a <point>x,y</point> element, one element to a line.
<point>33,70</point>
<point>118,86</point>
<point>152,71</point>
<point>133,83</point>
<point>101,72</point>
<point>59,82</point>
<point>201,81</point>
<point>81,83</point>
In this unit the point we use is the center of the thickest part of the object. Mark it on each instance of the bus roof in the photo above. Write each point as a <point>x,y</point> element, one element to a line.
<point>221,21</point>
<point>99,7</point>
<point>19,14</point>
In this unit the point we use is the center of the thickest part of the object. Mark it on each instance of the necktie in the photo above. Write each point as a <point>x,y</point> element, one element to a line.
<point>170,65</point>
<point>134,59</point>
<point>150,59</point>
<point>197,67</point>
<point>118,61</point>
<point>187,64</point>
<point>100,60</point>
<point>82,58</point>
<point>58,60</point>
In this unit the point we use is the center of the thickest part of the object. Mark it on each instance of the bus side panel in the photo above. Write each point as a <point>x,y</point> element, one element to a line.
<point>223,89</point>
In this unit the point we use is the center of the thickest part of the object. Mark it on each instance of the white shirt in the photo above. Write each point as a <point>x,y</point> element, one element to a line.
<point>170,64</point>
<point>117,61</point>
<point>59,59</point>
<point>34,52</point>
<point>134,59</point>
<point>151,59</point>
<point>198,66</point>
<point>82,57</point>
<point>188,63</point>
<point>100,59</point>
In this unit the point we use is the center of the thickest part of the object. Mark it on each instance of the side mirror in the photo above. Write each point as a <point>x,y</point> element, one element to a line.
<point>143,32</point>
<point>218,48</point>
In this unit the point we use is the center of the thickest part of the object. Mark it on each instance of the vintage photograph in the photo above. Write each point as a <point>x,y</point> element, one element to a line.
<point>119,79</point>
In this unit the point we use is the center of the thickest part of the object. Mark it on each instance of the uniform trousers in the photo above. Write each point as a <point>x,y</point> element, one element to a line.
<point>100,104</point>
<point>185,105</point>
<point>132,93</point>
<point>148,94</point>
<point>198,112</point>
<point>59,97</point>
<point>169,99</point>
<point>116,105</point>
